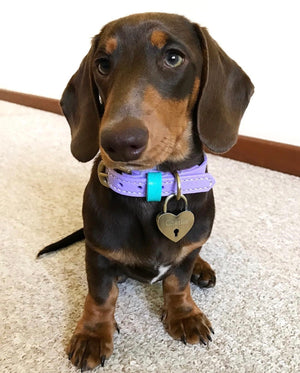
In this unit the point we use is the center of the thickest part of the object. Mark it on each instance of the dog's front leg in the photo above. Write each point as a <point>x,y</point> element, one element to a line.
<point>183,319</point>
<point>92,341</point>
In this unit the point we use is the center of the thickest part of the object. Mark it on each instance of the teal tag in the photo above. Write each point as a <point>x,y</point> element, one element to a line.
<point>154,186</point>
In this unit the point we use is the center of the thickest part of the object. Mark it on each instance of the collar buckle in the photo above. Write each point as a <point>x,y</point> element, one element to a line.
<point>102,175</point>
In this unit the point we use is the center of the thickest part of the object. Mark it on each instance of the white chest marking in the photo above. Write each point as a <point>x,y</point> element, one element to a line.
<point>161,271</point>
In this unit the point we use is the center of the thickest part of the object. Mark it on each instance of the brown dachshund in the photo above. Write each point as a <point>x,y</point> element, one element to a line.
<point>151,91</point>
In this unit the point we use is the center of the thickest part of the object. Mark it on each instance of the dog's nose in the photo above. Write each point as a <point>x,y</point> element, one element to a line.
<point>124,143</point>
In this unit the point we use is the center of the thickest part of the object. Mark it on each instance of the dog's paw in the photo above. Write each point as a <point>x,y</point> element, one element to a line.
<point>203,275</point>
<point>192,327</point>
<point>87,350</point>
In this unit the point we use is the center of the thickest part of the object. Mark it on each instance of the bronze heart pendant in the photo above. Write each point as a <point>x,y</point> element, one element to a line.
<point>175,227</point>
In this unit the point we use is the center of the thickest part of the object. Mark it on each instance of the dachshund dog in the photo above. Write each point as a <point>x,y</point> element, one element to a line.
<point>152,90</point>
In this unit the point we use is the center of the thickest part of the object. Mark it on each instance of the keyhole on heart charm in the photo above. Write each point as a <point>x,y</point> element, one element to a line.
<point>176,231</point>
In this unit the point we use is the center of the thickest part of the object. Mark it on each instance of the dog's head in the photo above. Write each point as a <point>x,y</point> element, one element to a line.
<point>148,82</point>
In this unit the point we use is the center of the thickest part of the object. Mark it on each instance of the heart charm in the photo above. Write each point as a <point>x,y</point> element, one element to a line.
<point>175,227</point>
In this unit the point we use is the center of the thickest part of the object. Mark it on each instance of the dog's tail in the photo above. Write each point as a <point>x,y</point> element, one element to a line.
<point>61,244</point>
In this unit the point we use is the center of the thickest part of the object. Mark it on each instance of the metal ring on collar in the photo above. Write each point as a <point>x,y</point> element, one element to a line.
<point>179,194</point>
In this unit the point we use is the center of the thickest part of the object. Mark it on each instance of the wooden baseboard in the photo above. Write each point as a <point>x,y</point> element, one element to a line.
<point>37,102</point>
<point>269,154</point>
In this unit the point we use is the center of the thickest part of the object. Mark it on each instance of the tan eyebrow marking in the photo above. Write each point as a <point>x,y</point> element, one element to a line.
<point>158,38</point>
<point>111,45</point>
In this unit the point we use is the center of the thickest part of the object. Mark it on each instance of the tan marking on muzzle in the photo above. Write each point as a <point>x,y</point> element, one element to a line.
<point>168,124</point>
<point>195,93</point>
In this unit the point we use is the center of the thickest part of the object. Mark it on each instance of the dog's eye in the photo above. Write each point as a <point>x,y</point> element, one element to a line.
<point>104,65</point>
<point>173,58</point>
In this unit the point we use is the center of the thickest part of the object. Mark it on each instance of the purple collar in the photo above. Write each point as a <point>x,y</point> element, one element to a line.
<point>193,180</point>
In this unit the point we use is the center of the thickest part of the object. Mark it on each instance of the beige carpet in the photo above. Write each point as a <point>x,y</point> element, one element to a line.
<point>254,249</point>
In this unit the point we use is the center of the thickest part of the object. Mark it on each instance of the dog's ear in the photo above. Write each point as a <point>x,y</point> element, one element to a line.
<point>225,93</point>
<point>81,106</point>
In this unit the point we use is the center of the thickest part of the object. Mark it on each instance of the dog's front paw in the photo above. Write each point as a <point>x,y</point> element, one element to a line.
<point>90,348</point>
<point>188,326</point>
<point>203,275</point>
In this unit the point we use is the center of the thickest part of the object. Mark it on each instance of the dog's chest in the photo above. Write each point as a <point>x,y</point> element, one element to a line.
<point>148,274</point>
<point>162,270</point>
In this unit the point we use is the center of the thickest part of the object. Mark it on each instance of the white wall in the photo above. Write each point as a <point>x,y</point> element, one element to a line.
<point>43,42</point>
